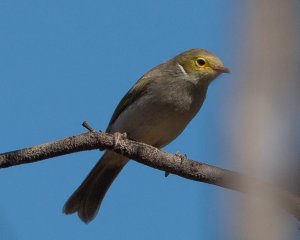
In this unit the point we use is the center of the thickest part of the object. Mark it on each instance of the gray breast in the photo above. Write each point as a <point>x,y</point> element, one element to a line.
<point>162,114</point>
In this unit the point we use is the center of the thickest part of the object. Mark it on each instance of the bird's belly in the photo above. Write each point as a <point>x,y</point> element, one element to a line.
<point>152,123</point>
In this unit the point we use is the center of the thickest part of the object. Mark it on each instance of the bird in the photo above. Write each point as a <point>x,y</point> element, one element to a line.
<point>154,111</point>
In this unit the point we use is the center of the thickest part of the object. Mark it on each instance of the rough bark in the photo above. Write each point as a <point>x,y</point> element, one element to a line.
<point>152,157</point>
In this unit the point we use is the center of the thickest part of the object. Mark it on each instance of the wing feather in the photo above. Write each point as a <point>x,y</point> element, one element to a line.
<point>137,91</point>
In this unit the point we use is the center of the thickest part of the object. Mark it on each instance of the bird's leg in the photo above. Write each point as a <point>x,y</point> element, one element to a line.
<point>119,136</point>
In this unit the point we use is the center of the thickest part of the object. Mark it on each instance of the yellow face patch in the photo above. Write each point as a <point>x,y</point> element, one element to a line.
<point>196,64</point>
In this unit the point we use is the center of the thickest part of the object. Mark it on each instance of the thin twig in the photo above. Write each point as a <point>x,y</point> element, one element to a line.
<point>151,157</point>
<point>88,126</point>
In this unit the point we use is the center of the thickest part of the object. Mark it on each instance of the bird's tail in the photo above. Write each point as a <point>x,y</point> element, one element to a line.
<point>86,200</point>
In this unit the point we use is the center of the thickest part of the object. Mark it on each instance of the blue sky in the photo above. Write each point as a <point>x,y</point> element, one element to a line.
<point>63,62</point>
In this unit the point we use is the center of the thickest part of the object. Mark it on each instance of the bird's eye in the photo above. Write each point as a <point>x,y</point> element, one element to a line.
<point>201,62</point>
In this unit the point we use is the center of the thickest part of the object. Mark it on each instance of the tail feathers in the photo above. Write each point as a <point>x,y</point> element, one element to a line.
<point>86,200</point>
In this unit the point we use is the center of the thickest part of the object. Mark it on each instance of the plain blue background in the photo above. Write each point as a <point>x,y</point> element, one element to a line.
<point>63,62</point>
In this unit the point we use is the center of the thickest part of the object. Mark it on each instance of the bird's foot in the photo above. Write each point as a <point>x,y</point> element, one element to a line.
<point>182,157</point>
<point>119,136</point>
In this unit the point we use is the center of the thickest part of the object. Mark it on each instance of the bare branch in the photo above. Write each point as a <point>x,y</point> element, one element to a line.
<point>152,157</point>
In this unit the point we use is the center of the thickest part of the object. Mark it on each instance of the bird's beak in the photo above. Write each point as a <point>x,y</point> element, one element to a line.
<point>222,69</point>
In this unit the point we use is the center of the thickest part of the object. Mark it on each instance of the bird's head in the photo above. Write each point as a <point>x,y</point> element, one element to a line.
<point>200,64</point>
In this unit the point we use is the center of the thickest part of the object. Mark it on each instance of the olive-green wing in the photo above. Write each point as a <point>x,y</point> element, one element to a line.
<point>137,91</point>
